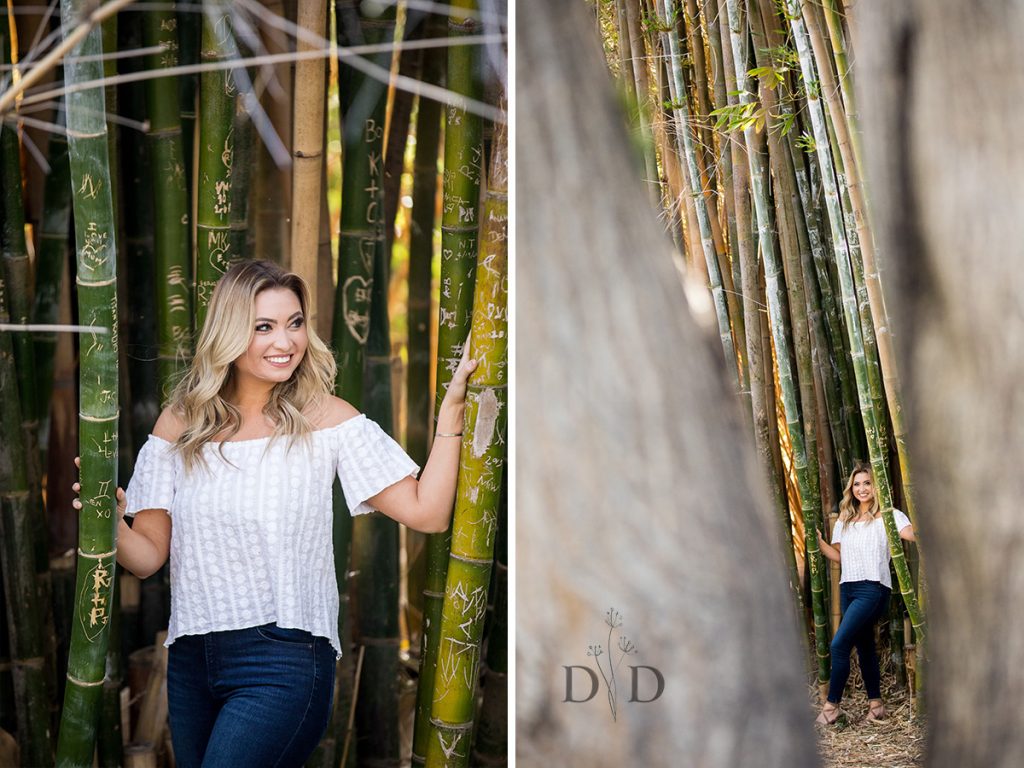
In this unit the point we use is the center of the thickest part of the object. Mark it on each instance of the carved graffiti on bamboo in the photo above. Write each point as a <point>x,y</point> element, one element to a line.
<point>105,446</point>
<point>457,660</point>
<point>367,250</point>
<point>168,41</point>
<point>114,325</point>
<point>222,201</point>
<point>94,599</point>
<point>93,252</point>
<point>497,226</point>
<point>178,299</point>
<point>450,748</point>
<point>218,244</point>
<point>89,188</point>
<point>373,135</point>
<point>356,306</point>
<point>103,318</point>
<point>100,501</point>
<point>204,289</point>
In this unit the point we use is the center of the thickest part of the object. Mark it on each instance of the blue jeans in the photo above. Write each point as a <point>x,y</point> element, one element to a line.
<point>862,603</point>
<point>259,696</point>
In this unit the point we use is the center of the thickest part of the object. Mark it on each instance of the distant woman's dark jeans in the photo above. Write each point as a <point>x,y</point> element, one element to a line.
<point>862,603</point>
<point>248,698</point>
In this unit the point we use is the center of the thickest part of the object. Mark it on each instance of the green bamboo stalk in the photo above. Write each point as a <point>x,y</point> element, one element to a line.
<point>844,72</point>
<point>788,396</point>
<point>681,111</point>
<point>173,260</point>
<point>421,258</point>
<point>853,326</point>
<point>17,535</point>
<point>189,43</point>
<point>214,252</point>
<point>463,152</point>
<point>375,560</point>
<point>490,747</point>
<point>360,255</point>
<point>137,249</point>
<point>51,260</point>
<point>410,64</point>
<point>475,521</point>
<point>362,235</point>
<point>97,302</point>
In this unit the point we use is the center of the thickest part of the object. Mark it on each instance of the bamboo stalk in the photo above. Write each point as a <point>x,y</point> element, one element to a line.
<point>774,293</point>
<point>171,243</point>
<point>307,148</point>
<point>361,237</point>
<point>97,303</point>
<point>421,258</point>
<point>490,747</point>
<point>463,152</point>
<point>375,561</point>
<point>17,535</point>
<point>50,263</point>
<point>745,255</point>
<point>681,110</point>
<point>475,522</point>
<point>214,253</point>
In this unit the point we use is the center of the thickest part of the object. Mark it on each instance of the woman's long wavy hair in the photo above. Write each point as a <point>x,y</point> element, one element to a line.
<point>198,399</point>
<point>849,505</point>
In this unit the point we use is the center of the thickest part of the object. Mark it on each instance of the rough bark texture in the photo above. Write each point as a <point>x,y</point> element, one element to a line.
<point>945,190</point>
<point>637,488</point>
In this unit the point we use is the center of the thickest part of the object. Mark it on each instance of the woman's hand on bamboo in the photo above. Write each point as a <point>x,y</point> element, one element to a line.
<point>122,499</point>
<point>456,394</point>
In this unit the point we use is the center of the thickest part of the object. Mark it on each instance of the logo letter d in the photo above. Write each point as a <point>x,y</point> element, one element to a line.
<point>657,674</point>
<point>568,683</point>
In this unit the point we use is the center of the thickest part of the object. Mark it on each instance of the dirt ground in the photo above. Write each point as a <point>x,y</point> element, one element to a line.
<point>896,743</point>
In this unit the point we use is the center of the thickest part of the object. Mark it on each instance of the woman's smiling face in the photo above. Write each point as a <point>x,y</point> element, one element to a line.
<point>279,338</point>
<point>863,488</point>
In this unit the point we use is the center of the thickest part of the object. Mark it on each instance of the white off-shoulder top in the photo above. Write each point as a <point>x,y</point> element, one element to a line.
<point>252,543</point>
<point>865,554</point>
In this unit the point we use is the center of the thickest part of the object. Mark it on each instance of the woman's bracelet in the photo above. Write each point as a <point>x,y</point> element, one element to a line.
<point>447,434</point>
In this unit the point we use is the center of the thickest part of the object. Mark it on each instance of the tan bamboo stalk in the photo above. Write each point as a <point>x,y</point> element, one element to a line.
<point>307,148</point>
<point>638,69</point>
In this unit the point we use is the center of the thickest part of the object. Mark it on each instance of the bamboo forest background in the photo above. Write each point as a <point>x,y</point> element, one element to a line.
<point>747,136</point>
<point>144,148</point>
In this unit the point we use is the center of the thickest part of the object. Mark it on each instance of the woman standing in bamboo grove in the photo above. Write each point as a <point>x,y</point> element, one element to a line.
<point>860,546</point>
<point>243,460</point>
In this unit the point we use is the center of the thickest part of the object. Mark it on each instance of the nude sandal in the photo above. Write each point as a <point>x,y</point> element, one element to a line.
<point>876,711</point>
<point>830,717</point>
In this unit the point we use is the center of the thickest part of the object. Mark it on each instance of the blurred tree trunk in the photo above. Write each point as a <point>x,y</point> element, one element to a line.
<point>949,220</point>
<point>665,452</point>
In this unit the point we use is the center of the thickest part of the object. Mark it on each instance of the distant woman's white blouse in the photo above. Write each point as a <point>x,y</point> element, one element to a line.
<point>252,543</point>
<point>865,551</point>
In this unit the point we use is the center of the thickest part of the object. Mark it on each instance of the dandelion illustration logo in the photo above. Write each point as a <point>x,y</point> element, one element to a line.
<point>608,663</point>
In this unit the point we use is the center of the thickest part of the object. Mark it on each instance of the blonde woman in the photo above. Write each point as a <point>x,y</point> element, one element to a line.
<point>860,546</point>
<point>234,485</point>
